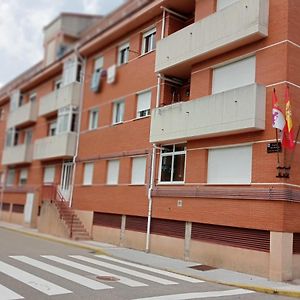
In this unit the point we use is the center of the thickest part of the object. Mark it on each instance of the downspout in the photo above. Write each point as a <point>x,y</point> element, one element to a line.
<point>152,176</point>
<point>83,70</point>
<point>3,181</point>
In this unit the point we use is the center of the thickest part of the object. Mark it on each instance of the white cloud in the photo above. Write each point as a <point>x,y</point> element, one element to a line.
<point>21,35</point>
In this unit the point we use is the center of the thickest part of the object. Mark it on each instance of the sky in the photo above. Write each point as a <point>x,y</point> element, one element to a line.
<point>21,29</point>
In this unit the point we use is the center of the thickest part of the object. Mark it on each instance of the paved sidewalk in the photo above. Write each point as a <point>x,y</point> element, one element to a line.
<point>221,276</point>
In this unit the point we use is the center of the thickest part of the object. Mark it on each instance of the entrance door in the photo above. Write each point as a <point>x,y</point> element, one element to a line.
<point>66,179</point>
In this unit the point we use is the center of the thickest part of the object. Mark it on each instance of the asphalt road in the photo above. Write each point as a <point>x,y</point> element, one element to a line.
<point>37,269</point>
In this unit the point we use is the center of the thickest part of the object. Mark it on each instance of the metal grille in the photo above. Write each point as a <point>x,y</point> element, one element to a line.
<point>296,243</point>
<point>107,220</point>
<point>5,206</point>
<point>18,208</point>
<point>135,223</point>
<point>168,228</point>
<point>251,239</point>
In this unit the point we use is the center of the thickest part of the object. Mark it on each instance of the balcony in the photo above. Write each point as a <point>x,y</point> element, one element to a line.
<point>65,96</point>
<point>23,115</point>
<point>235,111</point>
<point>20,154</point>
<point>237,25</point>
<point>59,146</point>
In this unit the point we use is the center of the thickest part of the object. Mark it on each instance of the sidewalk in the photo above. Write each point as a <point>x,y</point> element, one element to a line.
<point>221,276</point>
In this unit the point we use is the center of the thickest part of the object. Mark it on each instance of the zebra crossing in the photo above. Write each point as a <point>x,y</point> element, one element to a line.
<point>92,268</point>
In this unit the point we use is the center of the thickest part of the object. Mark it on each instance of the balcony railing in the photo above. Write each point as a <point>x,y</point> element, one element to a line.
<point>65,96</point>
<point>23,115</point>
<point>235,111</point>
<point>19,154</point>
<point>237,25</point>
<point>58,146</point>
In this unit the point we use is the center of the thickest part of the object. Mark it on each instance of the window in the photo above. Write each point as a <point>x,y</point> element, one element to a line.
<point>123,54</point>
<point>23,176</point>
<point>32,97</point>
<point>143,104</point>
<point>71,72</point>
<point>118,112</point>
<point>15,100</point>
<point>52,128</point>
<point>67,119</point>
<point>57,84</point>
<point>93,118</point>
<point>234,75</point>
<point>172,163</point>
<point>224,3</point>
<point>49,174</point>
<point>28,137</point>
<point>138,170</point>
<point>12,137</point>
<point>96,77</point>
<point>230,165</point>
<point>149,41</point>
<point>10,179</point>
<point>88,173</point>
<point>113,171</point>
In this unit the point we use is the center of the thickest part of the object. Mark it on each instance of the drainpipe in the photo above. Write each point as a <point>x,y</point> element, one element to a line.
<point>83,70</point>
<point>152,173</point>
<point>3,180</point>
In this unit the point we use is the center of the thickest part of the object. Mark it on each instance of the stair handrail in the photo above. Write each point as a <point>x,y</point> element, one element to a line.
<point>61,202</point>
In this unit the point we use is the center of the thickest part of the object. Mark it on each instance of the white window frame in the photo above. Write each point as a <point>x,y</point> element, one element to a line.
<point>67,113</point>
<point>93,118</point>
<point>123,53</point>
<point>118,112</point>
<point>23,176</point>
<point>52,128</point>
<point>50,169</point>
<point>58,84</point>
<point>114,180</point>
<point>32,97</point>
<point>98,64</point>
<point>88,173</point>
<point>152,46</point>
<point>133,180</point>
<point>146,112</point>
<point>11,177</point>
<point>173,154</point>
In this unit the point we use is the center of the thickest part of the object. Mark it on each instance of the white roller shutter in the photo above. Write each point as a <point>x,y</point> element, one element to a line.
<point>113,172</point>
<point>230,165</point>
<point>234,75</point>
<point>49,174</point>
<point>143,103</point>
<point>138,170</point>
<point>88,174</point>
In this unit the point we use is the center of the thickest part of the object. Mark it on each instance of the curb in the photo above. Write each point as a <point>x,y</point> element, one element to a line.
<point>56,239</point>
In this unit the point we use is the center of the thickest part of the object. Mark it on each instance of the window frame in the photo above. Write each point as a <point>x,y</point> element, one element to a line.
<point>53,173</point>
<point>93,118</point>
<point>173,154</point>
<point>23,171</point>
<point>132,162</point>
<point>123,53</point>
<point>148,111</point>
<point>116,182</point>
<point>115,120</point>
<point>87,181</point>
<point>152,46</point>
<point>11,172</point>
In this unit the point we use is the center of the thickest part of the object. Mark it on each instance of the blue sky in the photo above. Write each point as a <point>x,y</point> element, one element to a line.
<point>21,24</point>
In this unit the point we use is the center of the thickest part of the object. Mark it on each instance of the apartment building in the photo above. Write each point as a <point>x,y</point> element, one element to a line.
<point>153,126</point>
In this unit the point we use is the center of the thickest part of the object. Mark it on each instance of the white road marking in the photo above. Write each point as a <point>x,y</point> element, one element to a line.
<point>92,284</point>
<point>94,271</point>
<point>35,282</point>
<point>124,270</point>
<point>7,294</point>
<point>202,295</point>
<point>153,270</point>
